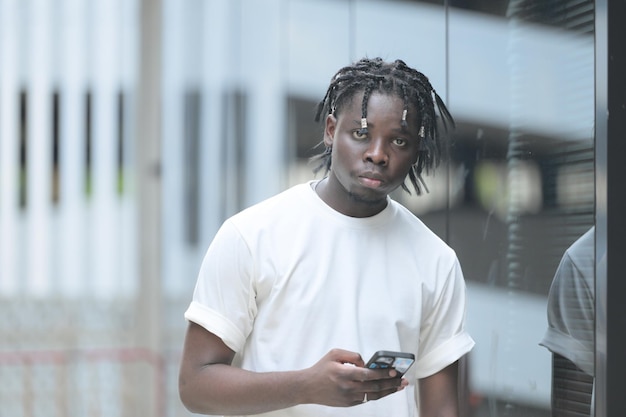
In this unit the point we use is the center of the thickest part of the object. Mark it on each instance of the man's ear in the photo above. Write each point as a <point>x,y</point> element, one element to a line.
<point>329,130</point>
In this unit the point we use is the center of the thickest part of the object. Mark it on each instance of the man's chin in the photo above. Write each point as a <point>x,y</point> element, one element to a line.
<point>371,199</point>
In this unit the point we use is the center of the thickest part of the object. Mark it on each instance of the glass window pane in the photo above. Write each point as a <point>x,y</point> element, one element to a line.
<point>521,87</point>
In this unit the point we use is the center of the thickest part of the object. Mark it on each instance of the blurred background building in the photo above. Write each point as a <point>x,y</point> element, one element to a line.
<point>130,129</point>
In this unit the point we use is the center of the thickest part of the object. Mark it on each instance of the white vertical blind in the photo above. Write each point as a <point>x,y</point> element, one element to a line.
<point>216,82</point>
<point>9,152</point>
<point>173,140</point>
<point>105,273</point>
<point>72,91</point>
<point>39,148</point>
<point>261,61</point>
<point>74,232</point>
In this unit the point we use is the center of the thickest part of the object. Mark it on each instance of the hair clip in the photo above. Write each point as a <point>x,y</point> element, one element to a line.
<point>421,132</point>
<point>363,123</point>
<point>404,115</point>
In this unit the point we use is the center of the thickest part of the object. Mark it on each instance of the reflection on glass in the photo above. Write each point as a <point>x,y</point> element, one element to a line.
<point>520,182</point>
<point>518,187</point>
<point>571,329</point>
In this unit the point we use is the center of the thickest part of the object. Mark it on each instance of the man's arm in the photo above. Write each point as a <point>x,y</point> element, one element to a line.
<point>438,393</point>
<point>208,384</point>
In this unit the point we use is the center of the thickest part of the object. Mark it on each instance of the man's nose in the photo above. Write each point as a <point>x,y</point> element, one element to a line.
<point>377,152</point>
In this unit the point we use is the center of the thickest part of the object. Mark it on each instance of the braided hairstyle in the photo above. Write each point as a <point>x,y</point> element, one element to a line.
<point>371,75</point>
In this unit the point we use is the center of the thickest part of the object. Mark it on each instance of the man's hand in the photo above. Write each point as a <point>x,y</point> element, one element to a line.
<point>332,381</point>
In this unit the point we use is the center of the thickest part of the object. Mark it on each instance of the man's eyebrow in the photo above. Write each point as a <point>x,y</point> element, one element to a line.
<point>358,123</point>
<point>400,129</point>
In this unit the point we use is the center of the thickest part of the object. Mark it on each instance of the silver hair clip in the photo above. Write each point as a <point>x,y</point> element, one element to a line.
<point>364,123</point>
<point>404,115</point>
<point>421,132</point>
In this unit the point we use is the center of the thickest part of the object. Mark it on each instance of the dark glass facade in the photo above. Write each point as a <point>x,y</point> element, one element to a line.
<point>517,198</point>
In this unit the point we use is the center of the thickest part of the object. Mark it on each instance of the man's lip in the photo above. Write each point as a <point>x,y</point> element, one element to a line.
<point>372,176</point>
<point>371,180</point>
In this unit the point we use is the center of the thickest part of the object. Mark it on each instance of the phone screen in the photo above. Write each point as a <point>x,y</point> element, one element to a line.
<point>400,361</point>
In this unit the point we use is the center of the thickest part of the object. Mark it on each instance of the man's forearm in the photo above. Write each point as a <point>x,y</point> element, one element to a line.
<point>224,389</point>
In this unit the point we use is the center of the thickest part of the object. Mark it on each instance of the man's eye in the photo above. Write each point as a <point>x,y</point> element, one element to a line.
<point>358,135</point>
<point>400,141</point>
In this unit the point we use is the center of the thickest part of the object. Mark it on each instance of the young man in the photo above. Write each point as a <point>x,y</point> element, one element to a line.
<point>297,292</point>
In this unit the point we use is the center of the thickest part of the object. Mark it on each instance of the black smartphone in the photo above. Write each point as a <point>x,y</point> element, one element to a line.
<point>384,359</point>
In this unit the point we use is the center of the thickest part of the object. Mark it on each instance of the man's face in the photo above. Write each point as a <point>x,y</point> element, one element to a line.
<point>366,168</point>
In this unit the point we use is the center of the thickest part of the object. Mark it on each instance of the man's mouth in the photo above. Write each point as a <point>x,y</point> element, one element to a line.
<point>370,181</point>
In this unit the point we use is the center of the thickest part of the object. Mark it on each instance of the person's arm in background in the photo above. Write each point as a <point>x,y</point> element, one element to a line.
<point>208,384</point>
<point>572,388</point>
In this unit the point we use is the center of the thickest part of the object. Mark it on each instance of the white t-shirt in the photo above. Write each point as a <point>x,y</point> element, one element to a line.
<point>290,278</point>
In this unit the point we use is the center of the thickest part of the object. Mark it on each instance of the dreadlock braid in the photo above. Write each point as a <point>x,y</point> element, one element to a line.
<point>372,75</point>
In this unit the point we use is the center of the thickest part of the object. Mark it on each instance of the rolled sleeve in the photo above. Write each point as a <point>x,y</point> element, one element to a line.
<point>224,299</point>
<point>443,338</point>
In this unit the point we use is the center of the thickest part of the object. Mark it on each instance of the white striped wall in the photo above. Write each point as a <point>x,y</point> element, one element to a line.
<point>212,47</point>
<point>8,147</point>
<point>84,242</point>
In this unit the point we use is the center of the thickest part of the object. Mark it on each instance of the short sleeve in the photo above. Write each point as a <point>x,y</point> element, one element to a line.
<point>224,298</point>
<point>443,338</point>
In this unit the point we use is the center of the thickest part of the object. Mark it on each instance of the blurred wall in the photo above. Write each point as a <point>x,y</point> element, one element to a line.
<point>129,130</point>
